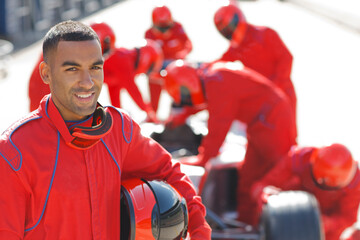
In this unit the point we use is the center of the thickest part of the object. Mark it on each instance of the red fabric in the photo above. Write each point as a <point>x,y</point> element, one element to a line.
<point>175,43</point>
<point>119,73</point>
<point>338,207</point>
<point>37,88</point>
<point>84,197</point>
<point>263,50</point>
<point>155,92</point>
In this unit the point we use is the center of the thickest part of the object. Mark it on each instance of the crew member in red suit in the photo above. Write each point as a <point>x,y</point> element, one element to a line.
<point>329,173</point>
<point>230,91</point>
<point>174,42</point>
<point>124,65</point>
<point>121,67</point>
<point>62,165</point>
<point>257,47</point>
<point>37,88</point>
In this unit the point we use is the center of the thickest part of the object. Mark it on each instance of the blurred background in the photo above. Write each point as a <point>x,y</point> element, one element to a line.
<point>322,35</point>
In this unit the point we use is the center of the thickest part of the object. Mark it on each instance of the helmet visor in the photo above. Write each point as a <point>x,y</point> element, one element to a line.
<point>163,28</point>
<point>230,28</point>
<point>185,97</point>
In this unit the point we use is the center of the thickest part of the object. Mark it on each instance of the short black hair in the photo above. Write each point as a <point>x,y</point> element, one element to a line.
<point>67,31</point>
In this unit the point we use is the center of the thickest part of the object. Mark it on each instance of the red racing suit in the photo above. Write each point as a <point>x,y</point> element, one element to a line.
<point>50,190</point>
<point>338,207</point>
<point>263,50</point>
<point>249,97</point>
<point>175,45</point>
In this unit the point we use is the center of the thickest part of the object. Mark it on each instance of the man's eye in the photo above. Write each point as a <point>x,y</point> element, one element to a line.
<point>96,67</point>
<point>71,69</point>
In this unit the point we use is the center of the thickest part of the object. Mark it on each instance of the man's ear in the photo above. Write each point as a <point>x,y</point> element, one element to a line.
<point>44,70</point>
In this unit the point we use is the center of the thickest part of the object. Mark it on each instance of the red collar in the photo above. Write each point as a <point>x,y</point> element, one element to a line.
<point>80,136</point>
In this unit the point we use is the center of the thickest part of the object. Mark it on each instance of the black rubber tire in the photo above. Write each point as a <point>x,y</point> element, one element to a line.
<point>291,215</point>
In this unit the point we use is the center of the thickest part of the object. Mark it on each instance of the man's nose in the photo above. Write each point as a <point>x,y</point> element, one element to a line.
<point>86,80</point>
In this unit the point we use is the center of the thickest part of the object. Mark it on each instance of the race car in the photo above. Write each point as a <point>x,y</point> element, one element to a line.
<point>288,215</point>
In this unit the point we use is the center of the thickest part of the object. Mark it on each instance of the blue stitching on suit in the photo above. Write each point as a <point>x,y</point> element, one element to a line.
<point>122,118</point>
<point>51,182</point>
<point>9,161</point>
<point>46,107</point>
<point>111,156</point>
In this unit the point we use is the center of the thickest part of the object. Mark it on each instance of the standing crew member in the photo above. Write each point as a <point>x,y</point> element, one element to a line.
<point>174,42</point>
<point>257,47</point>
<point>62,165</point>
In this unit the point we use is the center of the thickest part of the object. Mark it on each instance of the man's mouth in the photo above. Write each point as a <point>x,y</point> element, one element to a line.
<point>84,95</point>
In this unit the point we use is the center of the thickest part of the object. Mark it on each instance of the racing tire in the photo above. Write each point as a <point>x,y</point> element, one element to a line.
<point>291,215</point>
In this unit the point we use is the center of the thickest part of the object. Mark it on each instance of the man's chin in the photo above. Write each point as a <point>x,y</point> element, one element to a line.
<point>86,111</point>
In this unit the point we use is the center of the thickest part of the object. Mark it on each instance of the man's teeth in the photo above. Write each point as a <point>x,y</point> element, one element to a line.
<point>84,95</point>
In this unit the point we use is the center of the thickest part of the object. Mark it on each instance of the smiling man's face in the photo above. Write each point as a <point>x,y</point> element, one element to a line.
<point>74,72</point>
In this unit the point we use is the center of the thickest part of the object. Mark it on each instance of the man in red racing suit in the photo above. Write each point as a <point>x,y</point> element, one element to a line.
<point>231,92</point>
<point>298,171</point>
<point>63,164</point>
<point>174,42</point>
<point>257,47</point>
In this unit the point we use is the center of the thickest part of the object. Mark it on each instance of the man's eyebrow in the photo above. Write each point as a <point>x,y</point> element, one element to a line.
<point>69,63</point>
<point>99,62</point>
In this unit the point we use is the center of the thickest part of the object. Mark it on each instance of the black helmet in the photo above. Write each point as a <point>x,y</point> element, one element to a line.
<point>152,210</point>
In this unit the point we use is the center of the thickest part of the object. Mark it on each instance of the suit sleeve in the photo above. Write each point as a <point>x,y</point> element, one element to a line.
<point>186,44</point>
<point>218,127</point>
<point>178,46</point>
<point>12,203</point>
<point>147,159</point>
<point>221,116</point>
<point>280,176</point>
<point>282,57</point>
<point>345,215</point>
<point>135,94</point>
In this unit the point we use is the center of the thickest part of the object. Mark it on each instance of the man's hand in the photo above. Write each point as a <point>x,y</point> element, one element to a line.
<point>268,191</point>
<point>151,117</point>
<point>261,193</point>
